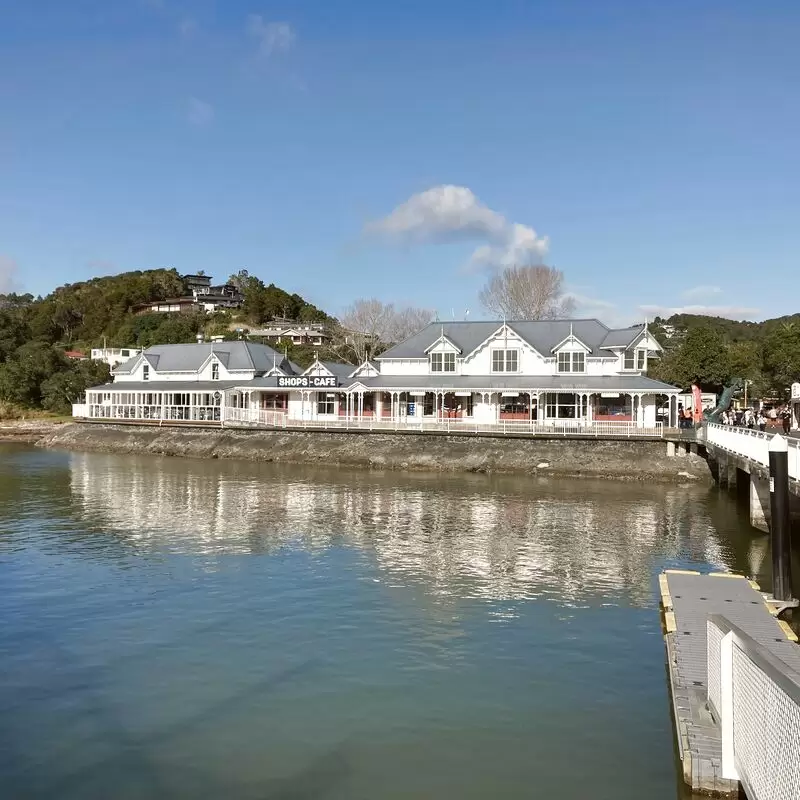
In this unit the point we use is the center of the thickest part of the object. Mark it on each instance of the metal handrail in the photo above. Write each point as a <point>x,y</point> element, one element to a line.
<point>776,670</point>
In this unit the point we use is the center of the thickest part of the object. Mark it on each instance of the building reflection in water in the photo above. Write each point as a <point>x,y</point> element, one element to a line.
<point>505,539</point>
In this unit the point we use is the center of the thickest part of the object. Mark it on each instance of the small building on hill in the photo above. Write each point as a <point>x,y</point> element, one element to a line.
<point>571,374</point>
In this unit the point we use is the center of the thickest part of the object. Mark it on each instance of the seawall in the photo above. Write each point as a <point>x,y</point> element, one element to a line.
<point>594,458</point>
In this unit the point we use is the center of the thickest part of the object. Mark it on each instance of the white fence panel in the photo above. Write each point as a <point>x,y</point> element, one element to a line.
<point>756,699</point>
<point>751,444</point>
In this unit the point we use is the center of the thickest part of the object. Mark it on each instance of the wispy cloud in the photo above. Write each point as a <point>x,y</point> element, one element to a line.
<point>199,112</point>
<point>8,272</point>
<point>450,213</point>
<point>272,37</point>
<point>728,311</point>
<point>699,292</point>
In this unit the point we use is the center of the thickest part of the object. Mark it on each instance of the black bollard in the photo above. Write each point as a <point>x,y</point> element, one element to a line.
<point>779,508</point>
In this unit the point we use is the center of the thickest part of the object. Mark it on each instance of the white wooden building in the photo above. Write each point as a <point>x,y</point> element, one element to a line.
<point>575,373</point>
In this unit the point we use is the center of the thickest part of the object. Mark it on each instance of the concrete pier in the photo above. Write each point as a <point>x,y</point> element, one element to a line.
<point>687,599</point>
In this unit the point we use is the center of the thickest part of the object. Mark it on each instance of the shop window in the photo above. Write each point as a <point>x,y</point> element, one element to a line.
<point>326,403</point>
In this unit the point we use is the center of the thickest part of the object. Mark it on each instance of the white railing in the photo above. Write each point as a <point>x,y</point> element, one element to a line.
<point>257,417</point>
<point>249,417</point>
<point>755,697</point>
<point>751,444</point>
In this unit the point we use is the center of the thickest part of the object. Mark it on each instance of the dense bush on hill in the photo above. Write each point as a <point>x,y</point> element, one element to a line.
<point>35,332</point>
<point>712,351</point>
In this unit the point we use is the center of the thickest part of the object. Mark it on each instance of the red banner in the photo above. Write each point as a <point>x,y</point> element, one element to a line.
<point>697,403</point>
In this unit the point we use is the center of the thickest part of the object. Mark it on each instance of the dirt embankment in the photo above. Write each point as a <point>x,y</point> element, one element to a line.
<point>29,430</point>
<point>622,460</point>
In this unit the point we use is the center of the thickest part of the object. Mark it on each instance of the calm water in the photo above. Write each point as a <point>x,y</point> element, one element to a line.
<point>188,629</point>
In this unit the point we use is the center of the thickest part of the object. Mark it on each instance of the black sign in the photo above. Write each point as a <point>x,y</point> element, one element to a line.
<point>308,382</point>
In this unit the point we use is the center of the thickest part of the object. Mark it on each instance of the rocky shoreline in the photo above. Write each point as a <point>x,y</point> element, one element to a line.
<point>629,460</point>
<point>29,430</point>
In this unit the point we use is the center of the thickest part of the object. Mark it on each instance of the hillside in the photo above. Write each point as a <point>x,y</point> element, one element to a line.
<point>712,351</point>
<point>35,332</point>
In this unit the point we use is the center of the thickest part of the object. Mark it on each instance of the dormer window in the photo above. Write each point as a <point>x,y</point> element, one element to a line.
<point>635,359</point>
<point>146,372</point>
<point>572,362</point>
<point>215,371</point>
<point>505,360</point>
<point>443,362</point>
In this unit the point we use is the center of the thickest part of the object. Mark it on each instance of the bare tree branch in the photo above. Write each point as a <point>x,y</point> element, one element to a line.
<point>369,326</point>
<point>530,292</point>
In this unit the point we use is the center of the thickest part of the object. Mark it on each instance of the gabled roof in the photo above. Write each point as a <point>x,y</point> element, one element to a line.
<point>443,338</point>
<point>541,335</point>
<point>237,355</point>
<point>622,337</point>
<point>366,367</point>
<point>571,338</point>
<point>341,371</point>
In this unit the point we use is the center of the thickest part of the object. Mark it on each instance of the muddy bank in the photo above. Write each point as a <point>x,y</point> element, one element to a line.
<point>31,430</point>
<point>622,460</point>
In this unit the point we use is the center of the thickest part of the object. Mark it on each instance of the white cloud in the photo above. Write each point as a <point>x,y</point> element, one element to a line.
<point>450,213</point>
<point>8,271</point>
<point>199,112</point>
<point>273,37</point>
<point>699,292</point>
<point>730,312</point>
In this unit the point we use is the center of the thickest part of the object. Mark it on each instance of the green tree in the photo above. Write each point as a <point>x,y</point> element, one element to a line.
<point>63,388</point>
<point>702,358</point>
<point>781,358</point>
<point>22,375</point>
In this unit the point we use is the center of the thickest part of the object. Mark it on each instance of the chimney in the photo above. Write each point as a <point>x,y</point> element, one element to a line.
<point>200,338</point>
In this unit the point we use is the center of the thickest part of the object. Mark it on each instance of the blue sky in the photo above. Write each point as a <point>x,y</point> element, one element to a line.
<point>399,150</point>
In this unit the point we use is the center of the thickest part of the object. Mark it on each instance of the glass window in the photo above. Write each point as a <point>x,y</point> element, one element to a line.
<point>146,372</point>
<point>641,359</point>
<point>505,360</point>
<point>325,403</point>
<point>630,360</point>
<point>443,362</point>
<point>572,362</point>
<point>215,372</point>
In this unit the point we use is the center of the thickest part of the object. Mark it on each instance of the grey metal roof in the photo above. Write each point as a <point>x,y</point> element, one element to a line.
<point>586,383</point>
<point>566,383</point>
<point>542,335</point>
<point>339,370</point>
<point>169,386</point>
<point>622,337</point>
<point>238,355</point>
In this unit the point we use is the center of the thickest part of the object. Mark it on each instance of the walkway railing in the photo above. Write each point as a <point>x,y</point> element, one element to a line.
<point>751,444</point>
<point>265,418</point>
<point>755,698</point>
<point>276,419</point>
